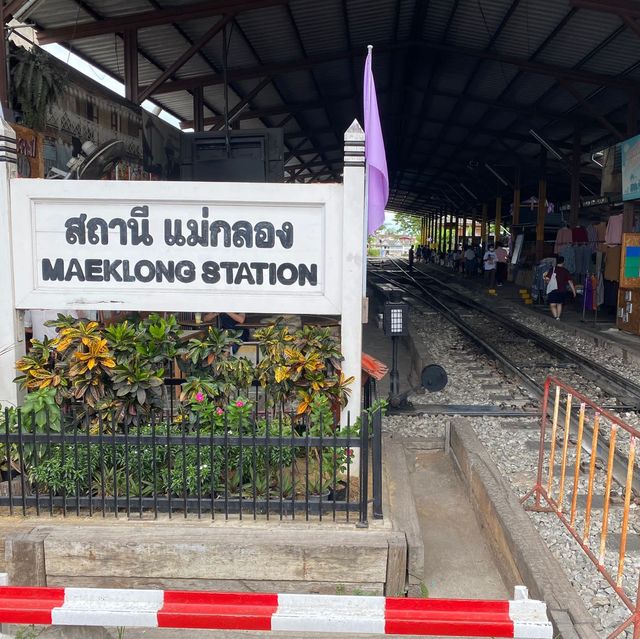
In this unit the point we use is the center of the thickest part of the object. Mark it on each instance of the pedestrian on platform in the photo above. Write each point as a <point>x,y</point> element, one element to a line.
<point>502,257</point>
<point>411,258</point>
<point>489,261</point>
<point>558,279</point>
<point>470,262</point>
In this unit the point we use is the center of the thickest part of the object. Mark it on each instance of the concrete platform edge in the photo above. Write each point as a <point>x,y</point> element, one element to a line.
<point>601,340</point>
<point>522,555</point>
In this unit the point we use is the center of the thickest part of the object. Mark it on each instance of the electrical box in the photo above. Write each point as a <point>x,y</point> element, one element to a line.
<point>240,156</point>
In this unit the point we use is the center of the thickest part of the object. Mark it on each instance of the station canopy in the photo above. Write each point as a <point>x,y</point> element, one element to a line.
<point>461,83</point>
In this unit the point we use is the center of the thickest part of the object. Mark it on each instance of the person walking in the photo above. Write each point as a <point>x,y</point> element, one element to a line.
<point>411,258</point>
<point>470,262</point>
<point>558,278</point>
<point>489,260</point>
<point>502,257</point>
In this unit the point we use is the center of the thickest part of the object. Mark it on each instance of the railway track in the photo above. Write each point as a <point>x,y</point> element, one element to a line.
<point>524,354</point>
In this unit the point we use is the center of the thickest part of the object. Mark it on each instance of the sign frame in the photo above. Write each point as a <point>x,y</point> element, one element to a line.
<point>33,199</point>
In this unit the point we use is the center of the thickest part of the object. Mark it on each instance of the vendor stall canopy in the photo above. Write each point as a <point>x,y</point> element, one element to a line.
<point>460,82</point>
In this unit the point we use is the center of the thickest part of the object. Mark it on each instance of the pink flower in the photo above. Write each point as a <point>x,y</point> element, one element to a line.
<point>199,397</point>
<point>239,403</point>
<point>219,411</point>
<point>349,452</point>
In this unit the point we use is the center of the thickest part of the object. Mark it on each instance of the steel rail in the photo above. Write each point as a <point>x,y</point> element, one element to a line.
<point>595,372</point>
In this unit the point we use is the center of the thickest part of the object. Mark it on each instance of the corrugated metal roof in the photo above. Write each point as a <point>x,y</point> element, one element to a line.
<point>431,126</point>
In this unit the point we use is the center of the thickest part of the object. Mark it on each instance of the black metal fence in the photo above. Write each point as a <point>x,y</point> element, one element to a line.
<point>268,466</point>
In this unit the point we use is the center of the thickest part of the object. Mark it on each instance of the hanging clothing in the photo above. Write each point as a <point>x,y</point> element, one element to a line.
<point>612,263</point>
<point>592,235</point>
<point>563,238</point>
<point>583,259</point>
<point>569,254</point>
<point>539,286</point>
<point>614,230</point>
<point>589,293</point>
<point>600,290</point>
<point>579,235</point>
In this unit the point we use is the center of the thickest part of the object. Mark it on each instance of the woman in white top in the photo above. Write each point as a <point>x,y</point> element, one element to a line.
<point>490,260</point>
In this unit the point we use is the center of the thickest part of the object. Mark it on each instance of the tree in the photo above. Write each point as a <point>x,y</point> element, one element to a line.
<point>410,225</point>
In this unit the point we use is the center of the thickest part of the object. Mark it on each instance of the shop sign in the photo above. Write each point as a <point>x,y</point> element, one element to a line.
<point>587,202</point>
<point>29,148</point>
<point>217,247</point>
<point>631,168</point>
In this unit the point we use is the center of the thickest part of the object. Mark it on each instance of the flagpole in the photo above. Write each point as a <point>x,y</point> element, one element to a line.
<point>366,209</point>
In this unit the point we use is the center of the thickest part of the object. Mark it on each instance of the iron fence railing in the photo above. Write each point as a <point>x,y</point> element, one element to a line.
<point>581,464</point>
<point>257,466</point>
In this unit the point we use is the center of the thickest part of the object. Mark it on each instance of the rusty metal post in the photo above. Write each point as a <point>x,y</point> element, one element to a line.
<point>543,428</point>
<point>198,109</point>
<point>484,229</point>
<point>131,85</point>
<point>575,177</point>
<point>542,204</point>
<point>632,129</point>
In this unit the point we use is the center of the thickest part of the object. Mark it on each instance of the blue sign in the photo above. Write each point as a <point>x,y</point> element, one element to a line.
<point>631,168</point>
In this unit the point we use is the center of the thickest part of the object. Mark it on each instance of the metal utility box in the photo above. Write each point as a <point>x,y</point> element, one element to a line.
<point>242,156</point>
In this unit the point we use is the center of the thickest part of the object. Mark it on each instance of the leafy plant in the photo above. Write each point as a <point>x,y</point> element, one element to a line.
<point>122,339</point>
<point>37,84</point>
<point>138,391</point>
<point>41,411</point>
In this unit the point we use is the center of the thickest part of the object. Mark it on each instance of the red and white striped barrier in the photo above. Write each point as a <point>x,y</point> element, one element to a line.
<point>521,618</point>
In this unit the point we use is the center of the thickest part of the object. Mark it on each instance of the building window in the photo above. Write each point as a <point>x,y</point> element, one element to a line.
<point>92,111</point>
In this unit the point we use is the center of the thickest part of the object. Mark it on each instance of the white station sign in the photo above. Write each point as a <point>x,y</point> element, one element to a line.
<point>206,246</point>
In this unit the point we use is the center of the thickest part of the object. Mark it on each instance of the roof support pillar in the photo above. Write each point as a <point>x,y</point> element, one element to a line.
<point>632,129</point>
<point>575,178</point>
<point>484,228</point>
<point>198,109</point>
<point>498,223</point>
<point>542,204</point>
<point>131,65</point>
<point>455,222</point>
<point>464,229</point>
<point>515,219</point>
<point>438,237</point>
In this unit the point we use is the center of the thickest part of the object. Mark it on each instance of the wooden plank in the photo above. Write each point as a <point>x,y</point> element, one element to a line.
<point>218,553</point>
<point>401,505</point>
<point>396,566</point>
<point>220,585</point>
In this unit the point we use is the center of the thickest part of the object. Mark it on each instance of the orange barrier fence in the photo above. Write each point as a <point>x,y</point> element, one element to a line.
<point>588,477</point>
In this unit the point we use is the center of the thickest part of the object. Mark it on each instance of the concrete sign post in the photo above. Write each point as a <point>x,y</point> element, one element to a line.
<point>11,338</point>
<point>195,247</point>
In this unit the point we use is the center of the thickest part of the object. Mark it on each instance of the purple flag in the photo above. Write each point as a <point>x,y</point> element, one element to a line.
<point>375,158</point>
